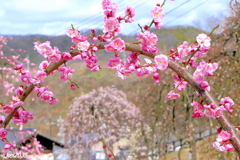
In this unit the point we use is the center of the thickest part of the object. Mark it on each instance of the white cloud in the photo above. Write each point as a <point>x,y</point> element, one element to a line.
<point>54,16</point>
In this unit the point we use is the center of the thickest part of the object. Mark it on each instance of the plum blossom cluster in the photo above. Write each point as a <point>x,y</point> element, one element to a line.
<point>66,73</point>
<point>179,85</point>
<point>86,51</point>
<point>45,49</point>
<point>20,117</point>
<point>222,142</point>
<point>226,104</point>
<point>157,15</point>
<point>112,25</point>
<point>117,45</point>
<point>45,95</point>
<point>3,134</point>
<point>34,148</point>
<point>132,65</point>
<point>148,41</point>
<point>207,110</point>
<point>198,49</point>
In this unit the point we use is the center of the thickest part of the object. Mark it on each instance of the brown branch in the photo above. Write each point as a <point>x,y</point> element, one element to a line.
<point>207,97</point>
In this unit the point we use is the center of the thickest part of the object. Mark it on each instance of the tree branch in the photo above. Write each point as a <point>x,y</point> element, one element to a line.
<point>207,97</point>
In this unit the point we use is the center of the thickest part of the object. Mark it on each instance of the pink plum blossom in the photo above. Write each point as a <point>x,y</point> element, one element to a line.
<point>114,63</point>
<point>54,57</point>
<point>46,95</point>
<point>227,102</point>
<point>148,41</point>
<point>25,77</point>
<point>67,56</point>
<point>158,25</point>
<point>172,95</point>
<point>44,48</point>
<point>66,73</point>
<point>203,40</point>
<point>116,45</point>
<point>130,11</point>
<point>19,91</point>
<point>111,24</point>
<point>223,136</point>
<point>183,50</point>
<point>161,61</point>
<point>83,46</point>
<point>197,113</point>
<point>156,77</point>
<point>205,85</point>
<point>40,76</point>
<point>179,84</point>
<point>43,65</point>
<point>71,32</point>
<point>218,146</point>
<point>157,14</point>
<point>3,133</point>
<point>7,109</point>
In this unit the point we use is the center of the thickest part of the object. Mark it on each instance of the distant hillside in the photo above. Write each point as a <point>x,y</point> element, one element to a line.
<point>168,37</point>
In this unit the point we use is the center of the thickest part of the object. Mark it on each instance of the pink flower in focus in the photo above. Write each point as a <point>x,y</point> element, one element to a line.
<point>130,11</point>
<point>210,68</point>
<point>227,102</point>
<point>181,85</point>
<point>83,46</point>
<point>65,73</point>
<point>158,25</point>
<point>111,24</point>
<point>172,95</point>
<point>72,32</point>
<point>148,41</point>
<point>156,77</point>
<point>8,109</point>
<point>46,95</point>
<point>43,65</point>
<point>205,85</point>
<point>209,112</point>
<point>3,133</point>
<point>44,48</point>
<point>114,63</point>
<point>161,61</point>
<point>203,40</point>
<point>218,111</point>
<point>183,50</point>
<point>25,77</point>
<point>67,56</point>
<point>197,113</point>
<point>116,45</point>
<point>54,58</point>
<point>40,76</point>
<point>19,91</point>
<point>157,14</point>
<point>223,136</point>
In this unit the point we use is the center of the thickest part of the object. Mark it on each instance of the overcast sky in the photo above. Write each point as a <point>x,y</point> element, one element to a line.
<point>53,17</point>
